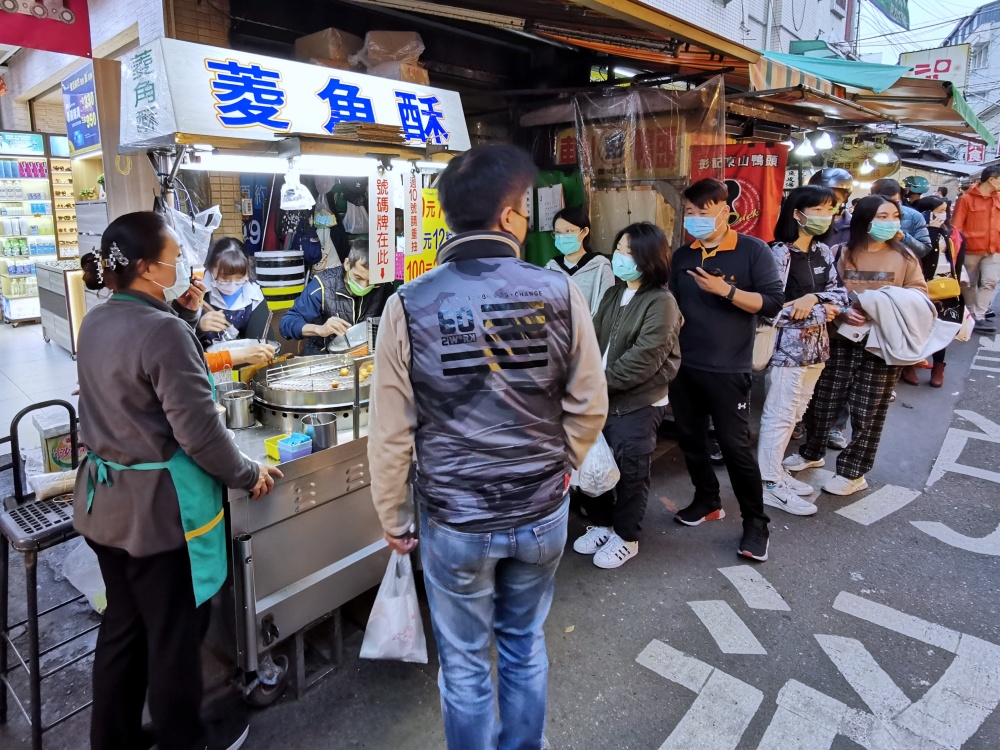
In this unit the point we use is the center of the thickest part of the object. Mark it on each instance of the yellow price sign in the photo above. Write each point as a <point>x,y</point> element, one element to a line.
<point>434,233</point>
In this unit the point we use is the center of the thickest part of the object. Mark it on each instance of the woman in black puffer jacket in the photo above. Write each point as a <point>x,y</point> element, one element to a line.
<point>637,325</point>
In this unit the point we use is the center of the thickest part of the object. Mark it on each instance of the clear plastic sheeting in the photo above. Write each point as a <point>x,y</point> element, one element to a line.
<point>635,148</point>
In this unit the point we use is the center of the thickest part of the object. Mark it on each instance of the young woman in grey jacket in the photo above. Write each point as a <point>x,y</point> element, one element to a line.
<point>590,271</point>
<point>637,325</point>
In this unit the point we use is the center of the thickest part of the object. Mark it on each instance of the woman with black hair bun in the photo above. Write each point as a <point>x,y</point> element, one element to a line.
<point>637,326</point>
<point>148,497</point>
<point>590,271</point>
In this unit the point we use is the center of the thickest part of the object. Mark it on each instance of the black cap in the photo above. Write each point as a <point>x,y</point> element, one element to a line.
<point>833,177</point>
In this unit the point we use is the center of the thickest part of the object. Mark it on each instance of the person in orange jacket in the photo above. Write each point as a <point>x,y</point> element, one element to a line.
<point>977,216</point>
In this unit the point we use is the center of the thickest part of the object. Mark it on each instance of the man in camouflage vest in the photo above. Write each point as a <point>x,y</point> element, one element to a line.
<point>488,376</point>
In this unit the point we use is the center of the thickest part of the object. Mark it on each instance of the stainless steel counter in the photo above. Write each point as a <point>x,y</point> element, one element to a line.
<point>251,442</point>
<point>301,552</point>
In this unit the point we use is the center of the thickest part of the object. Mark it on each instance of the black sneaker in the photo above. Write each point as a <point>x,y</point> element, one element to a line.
<point>990,315</point>
<point>716,455</point>
<point>982,326</point>
<point>700,511</point>
<point>755,541</point>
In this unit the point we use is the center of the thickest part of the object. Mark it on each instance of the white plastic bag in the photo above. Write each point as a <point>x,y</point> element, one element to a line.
<point>83,571</point>
<point>195,232</point>
<point>965,332</point>
<point>764,342</point>
<point>355,219</point>
<point>53,484</point>
<point>598,473</point>
<point>395,630</point>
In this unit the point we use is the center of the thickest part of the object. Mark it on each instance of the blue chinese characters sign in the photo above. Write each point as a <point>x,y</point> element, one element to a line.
<point>169,86</point>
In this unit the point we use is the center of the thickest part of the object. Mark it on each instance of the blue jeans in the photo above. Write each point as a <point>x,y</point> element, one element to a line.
<point>479,584</point>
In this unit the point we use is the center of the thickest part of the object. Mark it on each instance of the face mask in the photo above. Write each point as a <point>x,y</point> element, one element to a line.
<point>880,231</point>
<point>939,217</point>
<point>182,280</point>
<point>815,225</point>
<point>356,289</point>
<point>567,244</point>
<point>700,227</point>
<point>624,267</point>
<point>229,288</point>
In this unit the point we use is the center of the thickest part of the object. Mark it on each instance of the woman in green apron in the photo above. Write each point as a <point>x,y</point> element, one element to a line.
<point>149,497</point>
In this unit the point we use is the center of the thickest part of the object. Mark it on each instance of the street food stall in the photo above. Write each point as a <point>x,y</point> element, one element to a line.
<point>315,542</point>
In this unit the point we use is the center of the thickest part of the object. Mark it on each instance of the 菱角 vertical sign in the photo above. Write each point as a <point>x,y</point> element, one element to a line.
<point>381,229</point>
<point>434,233</point>
<point>80,106</point>
<point>940,64</point>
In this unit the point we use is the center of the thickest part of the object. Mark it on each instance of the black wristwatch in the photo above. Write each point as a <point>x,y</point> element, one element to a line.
<point>732,292</point>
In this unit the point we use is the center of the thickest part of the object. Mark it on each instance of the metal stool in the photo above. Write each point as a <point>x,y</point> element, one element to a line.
<point>31,526</point>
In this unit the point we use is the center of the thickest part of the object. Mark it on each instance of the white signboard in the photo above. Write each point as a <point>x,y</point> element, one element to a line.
<point>975,153</point>
<point>941,64</point>
<point>381,229</point>
<point>550,202</point>
<point>169,86</point>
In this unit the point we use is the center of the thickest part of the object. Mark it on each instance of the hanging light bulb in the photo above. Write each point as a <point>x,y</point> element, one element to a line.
<point>867,167</point>
<point>805,149</point>
<point>824,142</point>
<point>881,157</point>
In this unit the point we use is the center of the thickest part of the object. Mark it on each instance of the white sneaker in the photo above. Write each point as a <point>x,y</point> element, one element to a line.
<point>615,553</point>
<point>798,487</point>
<point>838,485</point>
<point>593,540</point>
<point>779,495</point>
<point>795,462</point>
<point>837,440</point>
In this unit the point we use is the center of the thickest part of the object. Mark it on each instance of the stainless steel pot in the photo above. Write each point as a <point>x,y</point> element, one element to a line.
<point>239,409</point>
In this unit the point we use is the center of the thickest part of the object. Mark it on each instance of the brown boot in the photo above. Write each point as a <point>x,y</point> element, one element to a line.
<point>909,375</point>
<point>937,375</point>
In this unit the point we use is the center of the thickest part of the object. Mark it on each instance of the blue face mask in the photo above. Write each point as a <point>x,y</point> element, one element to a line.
<point>880,231</point>
<point>624,267</point>
<point>700,227</point>
<point>567,244</point>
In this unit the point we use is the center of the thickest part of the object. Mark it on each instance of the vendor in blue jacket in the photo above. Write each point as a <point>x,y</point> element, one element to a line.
<point>336,299</point>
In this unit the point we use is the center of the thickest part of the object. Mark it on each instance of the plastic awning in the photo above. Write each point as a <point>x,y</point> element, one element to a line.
<point>864,93</point>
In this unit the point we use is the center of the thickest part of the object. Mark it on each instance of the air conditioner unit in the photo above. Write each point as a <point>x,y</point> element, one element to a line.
<point>838,8</point>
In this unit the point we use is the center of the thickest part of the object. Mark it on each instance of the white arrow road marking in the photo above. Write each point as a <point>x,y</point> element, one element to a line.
<point>989,427</point>
<point>983,545</point>
<point>881,503</point>
<point>723,709</point>
<point>807,719</point>
<point>900,622</point>
<point>756,590</point>
<point>868,679</point>
<point>726,627</point>
<point>989,344</point>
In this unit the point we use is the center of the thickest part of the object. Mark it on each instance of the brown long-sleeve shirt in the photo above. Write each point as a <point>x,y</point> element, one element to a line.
<point>144,390</point>
<point>392,417</point>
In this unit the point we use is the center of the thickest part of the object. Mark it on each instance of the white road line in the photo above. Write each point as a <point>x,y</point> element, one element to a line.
<point>675,665</point>
<point>957,705</point>
<point>984,545</point>
<point>807,719</point>
<point>863,673</point>
<point>900,622</point>
<point>987,369</point>
<point>756,590</point>
<point>725,626</point>
<point>986,425</point>
<point>718,717</point>
<point>881,503</point>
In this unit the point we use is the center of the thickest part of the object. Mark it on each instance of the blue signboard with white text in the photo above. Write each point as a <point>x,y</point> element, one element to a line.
<point>80,105</point>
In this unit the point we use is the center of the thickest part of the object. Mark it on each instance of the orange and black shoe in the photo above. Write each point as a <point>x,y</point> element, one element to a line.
<point>700,511</point>
<point>755,540</point>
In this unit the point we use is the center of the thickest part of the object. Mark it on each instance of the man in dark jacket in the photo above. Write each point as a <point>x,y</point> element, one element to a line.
<point>487,372</point>
<point>721,281</point>
<point>336,299</point>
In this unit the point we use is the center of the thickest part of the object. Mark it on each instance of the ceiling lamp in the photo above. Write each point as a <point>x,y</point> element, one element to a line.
<point>881,157</point>
<point>821,140</point>
<point>805,149</point>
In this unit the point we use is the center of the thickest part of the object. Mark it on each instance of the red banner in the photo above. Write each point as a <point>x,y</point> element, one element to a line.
<point>50,25</point>
<point>755,175</point>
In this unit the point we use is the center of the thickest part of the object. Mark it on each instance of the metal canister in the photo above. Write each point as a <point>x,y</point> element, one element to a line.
<point>322,428</point>
<point>239,409</point>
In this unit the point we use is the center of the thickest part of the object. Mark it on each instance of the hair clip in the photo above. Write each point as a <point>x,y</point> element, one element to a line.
<point>100,270</point>
<point>116,257</point>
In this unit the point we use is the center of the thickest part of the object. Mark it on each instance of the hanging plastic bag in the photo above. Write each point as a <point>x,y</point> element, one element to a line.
<point>194,232</point>
<point>83,571</point>
<point>598,473</point>
<point>965,332</point>
<point>356,219</point>
<point>395,630</point>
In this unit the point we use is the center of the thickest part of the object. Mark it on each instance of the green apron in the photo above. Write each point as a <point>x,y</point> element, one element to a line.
<point>199,496</point>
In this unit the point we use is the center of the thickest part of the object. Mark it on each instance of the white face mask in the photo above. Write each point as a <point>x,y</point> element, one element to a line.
<point>182,280</point>
<point>226,288</point>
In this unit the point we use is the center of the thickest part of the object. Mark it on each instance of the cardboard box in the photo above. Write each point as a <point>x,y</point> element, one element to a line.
<point>402,71</point>
<point>328,44</point>
<point>53,429</point>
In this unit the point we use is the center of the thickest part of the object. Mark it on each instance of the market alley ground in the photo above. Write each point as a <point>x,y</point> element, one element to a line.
<point>874,625</point>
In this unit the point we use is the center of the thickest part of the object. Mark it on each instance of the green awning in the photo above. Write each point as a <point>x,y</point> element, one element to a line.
<point>961,106</point>
<point>860,75</point>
